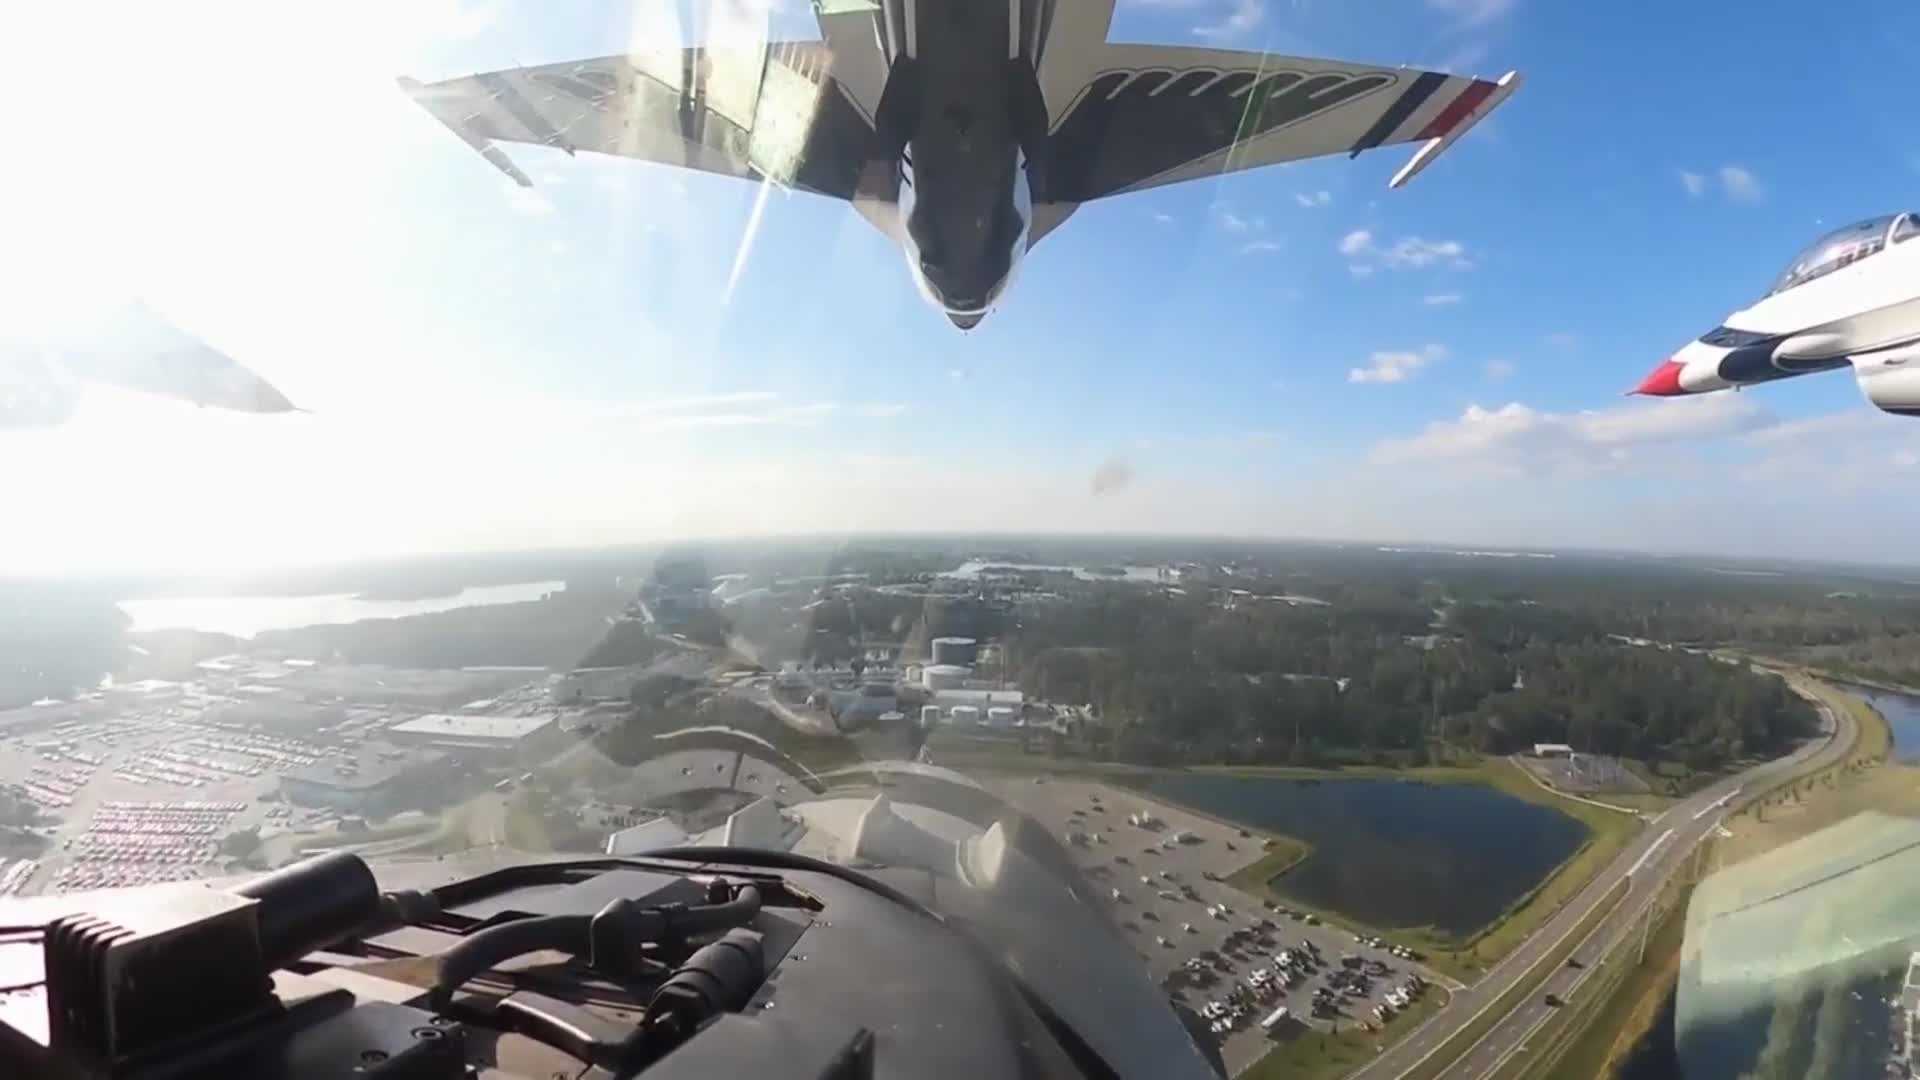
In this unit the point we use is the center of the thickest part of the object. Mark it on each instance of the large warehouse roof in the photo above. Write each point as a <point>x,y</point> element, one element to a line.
<point>450,726</point>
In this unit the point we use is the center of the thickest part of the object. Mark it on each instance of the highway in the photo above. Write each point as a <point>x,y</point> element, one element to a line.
<point>1646,863</point>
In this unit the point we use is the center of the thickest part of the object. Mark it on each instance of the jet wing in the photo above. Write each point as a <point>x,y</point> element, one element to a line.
<point>1152,114</point>
<point>131,348</point>
<point>766,111</point>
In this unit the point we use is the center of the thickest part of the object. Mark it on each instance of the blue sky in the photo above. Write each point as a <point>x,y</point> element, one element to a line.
<point>628,351</point>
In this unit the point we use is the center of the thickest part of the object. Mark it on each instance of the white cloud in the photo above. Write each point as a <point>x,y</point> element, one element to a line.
<point>1519,437</point>
<point>1442,299</point>
<point>1360,270</point>
<point>1853,449</point>
<point>1240,18</point>
<point>527,201</point>
<point>1562,339</point>
<point>1235,223</point>
<point>880,409</point>
<point>1258,247</point>
<point>1407,253</point>
<point>1739,184</point>
<point>1472,12</point>
<point>1162,218</point>
<point>1395,366</point>
<point>1464,57</point>
<point>1413,252</point>
<point>1499,369</point>
<point>1312,199</point>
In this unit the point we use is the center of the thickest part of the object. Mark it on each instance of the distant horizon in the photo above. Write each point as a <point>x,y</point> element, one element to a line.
<point>984,544</point>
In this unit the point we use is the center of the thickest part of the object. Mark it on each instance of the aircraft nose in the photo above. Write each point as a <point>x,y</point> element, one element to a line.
<point>966,320</point>
<point>1663,381</point>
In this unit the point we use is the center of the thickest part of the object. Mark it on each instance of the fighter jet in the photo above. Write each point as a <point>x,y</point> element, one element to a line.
<point>965,130</point>
<point>1852,297</point>
<point>41,374</point>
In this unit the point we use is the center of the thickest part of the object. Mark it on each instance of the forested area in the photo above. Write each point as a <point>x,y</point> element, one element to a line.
<point>1182,679</point>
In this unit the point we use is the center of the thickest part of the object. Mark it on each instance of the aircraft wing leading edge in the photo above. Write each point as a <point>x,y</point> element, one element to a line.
<point>767,111</point>
<point>1148,115</point>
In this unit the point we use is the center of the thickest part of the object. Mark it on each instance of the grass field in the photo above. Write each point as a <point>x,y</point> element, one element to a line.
<point>1865,780</point>
<point>1323,1055</point>
<point>1470,1033</point>
<point>1286,851</point>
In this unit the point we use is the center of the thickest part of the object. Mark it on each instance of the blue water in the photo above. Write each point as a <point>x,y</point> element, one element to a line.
<point>1396,854</point>
<point>1903,719</point>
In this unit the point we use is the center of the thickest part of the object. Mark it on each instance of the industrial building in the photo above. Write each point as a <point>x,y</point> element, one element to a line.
<point>980,699</point>
<point>944,676</point>
<point>503,735</point>
<point>955,652</point>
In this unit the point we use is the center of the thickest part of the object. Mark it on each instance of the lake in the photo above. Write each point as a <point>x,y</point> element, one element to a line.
<point>1392,853</point>
<point>973,569</point>
<point>245,616</point>
<point>1903,719</point>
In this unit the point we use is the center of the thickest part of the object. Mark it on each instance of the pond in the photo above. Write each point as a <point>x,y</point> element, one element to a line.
<point>1903,719</point>
<point>245,616</point>
<point>1395,853</point>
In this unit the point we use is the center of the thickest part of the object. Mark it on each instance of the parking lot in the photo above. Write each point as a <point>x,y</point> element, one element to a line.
<point>143,796</point>
<point>1160,876</point>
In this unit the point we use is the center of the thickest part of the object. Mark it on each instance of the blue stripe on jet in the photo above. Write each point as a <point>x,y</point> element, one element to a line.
<point>1415,96</point>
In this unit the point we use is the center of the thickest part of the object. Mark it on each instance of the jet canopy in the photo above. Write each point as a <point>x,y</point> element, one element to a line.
<point>1845,246</point>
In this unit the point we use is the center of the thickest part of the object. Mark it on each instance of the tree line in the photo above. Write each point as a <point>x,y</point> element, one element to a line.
<point>1179,679</point>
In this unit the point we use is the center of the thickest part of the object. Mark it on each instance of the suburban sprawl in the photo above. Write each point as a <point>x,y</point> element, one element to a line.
<point>1360,810</point>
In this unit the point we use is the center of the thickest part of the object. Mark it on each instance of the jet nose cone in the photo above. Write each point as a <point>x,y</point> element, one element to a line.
<point>1663,381</point>
<point>966,320</point>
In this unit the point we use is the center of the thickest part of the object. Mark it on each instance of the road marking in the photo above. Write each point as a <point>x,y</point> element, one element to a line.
<point>1717,804</point>
<point>1534,1029</point>
<point>1651,848</point>
<point>1498,994</point>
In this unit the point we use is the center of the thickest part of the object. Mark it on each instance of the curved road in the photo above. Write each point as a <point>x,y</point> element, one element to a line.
<point>1646,862</point>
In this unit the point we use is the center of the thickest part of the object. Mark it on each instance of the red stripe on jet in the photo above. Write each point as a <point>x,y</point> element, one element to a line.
<point>1457,110</point>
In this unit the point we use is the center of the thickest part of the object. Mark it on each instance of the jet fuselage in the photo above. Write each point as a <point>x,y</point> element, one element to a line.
<point>1849,296</point>
<point>958,69</point>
